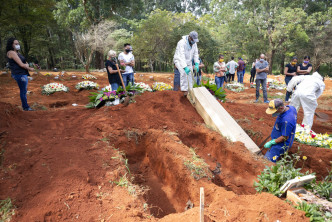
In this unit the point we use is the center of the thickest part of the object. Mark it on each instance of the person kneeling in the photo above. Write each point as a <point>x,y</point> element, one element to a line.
<point>283,131</point>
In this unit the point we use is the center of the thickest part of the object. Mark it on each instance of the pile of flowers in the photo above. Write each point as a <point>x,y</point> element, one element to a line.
<point>276,84</point>
<point>50,88</point>
<point>304,135</point>
<point>101,98</point>
<point>235,86</point>
<point>160,86</point>
<point>47,74</point>
<point>88,76</point>
<point>87,85</point>
<point>143,86</point>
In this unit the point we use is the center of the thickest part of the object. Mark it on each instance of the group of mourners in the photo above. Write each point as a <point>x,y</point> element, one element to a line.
<point>301,86</point>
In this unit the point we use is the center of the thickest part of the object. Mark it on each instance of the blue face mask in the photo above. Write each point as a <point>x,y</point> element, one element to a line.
<point>261,60</point>
<point>192,42</point>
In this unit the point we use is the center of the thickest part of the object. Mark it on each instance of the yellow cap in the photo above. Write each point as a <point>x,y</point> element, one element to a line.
<point>274,105</point>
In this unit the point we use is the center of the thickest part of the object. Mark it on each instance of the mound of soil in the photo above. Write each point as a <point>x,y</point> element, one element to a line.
<point>62,165</point>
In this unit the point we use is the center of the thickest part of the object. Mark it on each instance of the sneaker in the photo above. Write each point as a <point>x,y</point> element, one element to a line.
<point>266,101</point>
<point>29,109</point>
<point>256,101</point>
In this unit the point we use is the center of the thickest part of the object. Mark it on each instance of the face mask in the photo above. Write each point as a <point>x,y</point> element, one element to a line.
<point>305,62</point>
<point>221,60</point>
<point>293,63</point>
<point>17,47</point>
<point>275,114</point>
<point>113,59</point>
<point>127,50</point>
<point>261,60</point>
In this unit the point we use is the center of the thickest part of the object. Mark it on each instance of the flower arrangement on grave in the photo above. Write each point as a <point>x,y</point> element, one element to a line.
<point>88,76</point>
<point>100,98</point>
<point>160,86</point>
<point>143,86</point>
<point>212,88</point>
<point>235,86</point>
<point>309,137</point>
<point>86,85</point>
<point>47,74</point>
<point>51,88</point>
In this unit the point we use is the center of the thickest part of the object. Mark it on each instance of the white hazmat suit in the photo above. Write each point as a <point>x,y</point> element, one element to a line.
<point>184,54</point>
<point>309,88</point>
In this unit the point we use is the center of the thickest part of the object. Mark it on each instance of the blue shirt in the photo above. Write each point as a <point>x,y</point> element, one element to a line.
<point>285,125</point>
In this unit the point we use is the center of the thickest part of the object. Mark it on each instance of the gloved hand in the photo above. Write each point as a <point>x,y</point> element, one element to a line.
<point>197,66</point>
<point>187,70</point>
<point>270,143</point>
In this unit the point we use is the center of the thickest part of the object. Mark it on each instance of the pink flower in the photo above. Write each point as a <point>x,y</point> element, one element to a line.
<point>302,125</point>
<point>313,136</point>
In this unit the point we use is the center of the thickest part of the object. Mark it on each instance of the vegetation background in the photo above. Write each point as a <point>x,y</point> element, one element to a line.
<point>77,34</point>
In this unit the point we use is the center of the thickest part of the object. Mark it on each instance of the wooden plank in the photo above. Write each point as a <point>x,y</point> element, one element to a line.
<point>218,118</point>
<point>201,205</point>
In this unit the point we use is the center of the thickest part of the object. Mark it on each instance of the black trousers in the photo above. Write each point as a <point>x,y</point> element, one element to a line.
<point>230,77</point>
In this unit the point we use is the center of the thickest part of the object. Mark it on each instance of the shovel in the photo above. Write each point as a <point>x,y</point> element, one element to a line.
<point>127,99</point>
<point>262,145</point>
<point>322,116</point>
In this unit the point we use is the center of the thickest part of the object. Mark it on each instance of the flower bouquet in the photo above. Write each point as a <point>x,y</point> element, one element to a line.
<point>160,86</point>
<point>103,97</point>
<point>108,88</point>
<point>143,86</point>
<point>88,76</point>
<point>212,88</point>
<point>306,136</point>
<point>235,86</point>
<point>50,88</point>
<point>47,74</point>
<point>275,84</point>
<point>86,85</point>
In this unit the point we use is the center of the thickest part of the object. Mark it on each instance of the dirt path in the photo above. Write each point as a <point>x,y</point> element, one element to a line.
<point>63,164</point>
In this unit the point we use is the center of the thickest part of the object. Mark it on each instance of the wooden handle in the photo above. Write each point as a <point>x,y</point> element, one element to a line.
<point>123,86</point>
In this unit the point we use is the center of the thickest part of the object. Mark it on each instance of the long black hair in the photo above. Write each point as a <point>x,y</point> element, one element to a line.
<point>10,42</point>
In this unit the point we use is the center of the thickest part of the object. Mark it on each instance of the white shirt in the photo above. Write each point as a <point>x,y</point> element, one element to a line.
<point>127,58</point>
<point>232,65</point>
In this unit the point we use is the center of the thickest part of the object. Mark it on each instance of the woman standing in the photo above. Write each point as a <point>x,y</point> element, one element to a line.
<point>112,72</point>
<point>219,69</point>
<point>290,71</point>
<point>19,70</point>
<point>253,72</point>
<point>305,68</point>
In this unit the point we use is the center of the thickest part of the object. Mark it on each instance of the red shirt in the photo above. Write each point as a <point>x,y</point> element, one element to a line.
<point>241,65</point>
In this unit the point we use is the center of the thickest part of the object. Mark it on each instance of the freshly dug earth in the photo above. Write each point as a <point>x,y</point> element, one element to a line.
<point>67,163</point>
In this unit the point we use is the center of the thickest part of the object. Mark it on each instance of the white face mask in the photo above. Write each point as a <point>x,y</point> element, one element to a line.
<point>17,47</point>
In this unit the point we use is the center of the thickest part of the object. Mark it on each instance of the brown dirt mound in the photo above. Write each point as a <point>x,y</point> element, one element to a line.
<point>60,167</point>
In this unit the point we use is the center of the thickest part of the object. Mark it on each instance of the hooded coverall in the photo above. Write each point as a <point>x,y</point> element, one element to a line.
<point>306,95</point>
<point>184,54</point>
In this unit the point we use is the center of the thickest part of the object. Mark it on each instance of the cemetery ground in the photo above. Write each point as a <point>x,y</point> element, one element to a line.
<point>143,162</point>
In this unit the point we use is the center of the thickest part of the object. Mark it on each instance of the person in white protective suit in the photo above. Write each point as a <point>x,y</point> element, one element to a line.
<point>308,89</point>
<point>186,51</point>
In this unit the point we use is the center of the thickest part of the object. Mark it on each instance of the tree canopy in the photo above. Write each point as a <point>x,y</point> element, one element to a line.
<point>50,31</point>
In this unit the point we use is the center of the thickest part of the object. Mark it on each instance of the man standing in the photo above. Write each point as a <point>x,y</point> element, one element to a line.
<point>240,69</point>
<point>127,60</point>
<point>186,51</point>
<point>262,67</point>
<point>306,95</point>
<point>283,132</point>
<point>231,66</point>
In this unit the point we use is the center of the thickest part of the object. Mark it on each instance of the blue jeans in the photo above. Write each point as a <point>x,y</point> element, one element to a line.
<point>288,94</point>
<point>275,151</point>
<point>258,83</point>
<point>219,81</point>
<point>114,86</point>
<point>22,82</point>
<point>176,80</point>
<point>198,79</point>
<point>240,76</point>
<point>127,78</point>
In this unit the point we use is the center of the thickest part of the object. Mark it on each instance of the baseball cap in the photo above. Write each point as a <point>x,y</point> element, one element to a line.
<point>194,36</point>
<point>274,105</point>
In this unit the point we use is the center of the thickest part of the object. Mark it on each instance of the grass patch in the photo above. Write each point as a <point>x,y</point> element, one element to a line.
<point>7,210</point>
<point>253,134</point>
<point>197,166</point>
<point>245,120</point>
